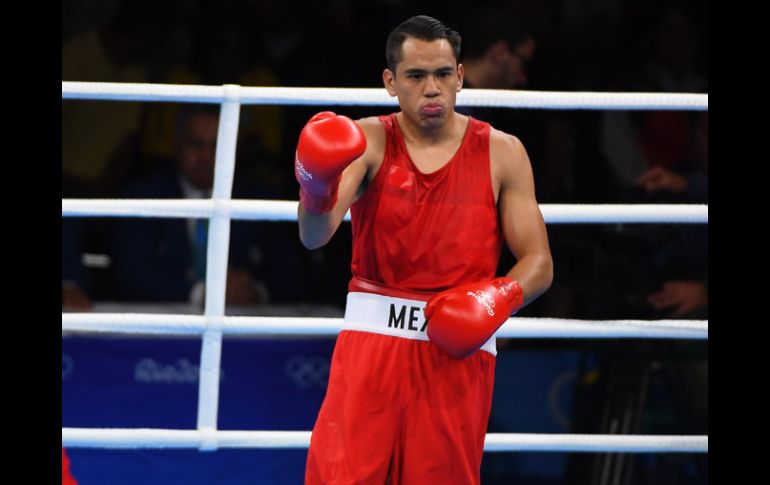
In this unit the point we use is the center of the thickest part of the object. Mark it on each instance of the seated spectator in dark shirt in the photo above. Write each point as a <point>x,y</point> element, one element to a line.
<point>681,258</point>
<point>165,259</point>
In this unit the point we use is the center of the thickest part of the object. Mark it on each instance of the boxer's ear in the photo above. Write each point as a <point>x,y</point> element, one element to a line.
<point>389,80</point>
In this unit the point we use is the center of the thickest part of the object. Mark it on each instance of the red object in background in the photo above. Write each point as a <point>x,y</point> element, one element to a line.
<point>66,476</point>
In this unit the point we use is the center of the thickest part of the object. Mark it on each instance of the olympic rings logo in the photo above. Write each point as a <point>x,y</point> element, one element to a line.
<point>308,372</point>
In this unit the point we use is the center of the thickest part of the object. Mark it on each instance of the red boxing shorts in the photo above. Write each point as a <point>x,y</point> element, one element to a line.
<point>397,410</point>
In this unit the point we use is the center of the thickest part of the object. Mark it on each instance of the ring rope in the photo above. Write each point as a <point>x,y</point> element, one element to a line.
<point>209,440</point>
<point>498,98</point>
<point>221,209</point>
<point>518,327</point>
<point>284,210</point>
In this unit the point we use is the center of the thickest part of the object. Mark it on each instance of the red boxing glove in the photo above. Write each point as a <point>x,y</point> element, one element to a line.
<point>461,319</point>
<point>328,143</point>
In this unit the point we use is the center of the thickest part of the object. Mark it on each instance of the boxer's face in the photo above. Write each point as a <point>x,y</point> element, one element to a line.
<point>426,81</point>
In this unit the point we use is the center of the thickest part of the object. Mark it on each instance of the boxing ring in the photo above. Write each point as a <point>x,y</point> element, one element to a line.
<point>221,209</point>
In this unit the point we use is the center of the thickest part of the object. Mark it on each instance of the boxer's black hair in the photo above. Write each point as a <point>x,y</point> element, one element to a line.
<point>419,27</point>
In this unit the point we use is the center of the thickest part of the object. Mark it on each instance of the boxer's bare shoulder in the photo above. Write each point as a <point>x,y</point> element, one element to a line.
<point>375,148</point>
<point>508,159</point>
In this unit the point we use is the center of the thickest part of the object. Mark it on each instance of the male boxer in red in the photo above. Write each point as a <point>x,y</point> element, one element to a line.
<point>432,195</point>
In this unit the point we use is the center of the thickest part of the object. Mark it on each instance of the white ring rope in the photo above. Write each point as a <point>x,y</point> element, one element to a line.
<point>221,209</point>
<point>284,210</point>
<point>209,440</point>
<point>497,98</point>
<point>518,327</point>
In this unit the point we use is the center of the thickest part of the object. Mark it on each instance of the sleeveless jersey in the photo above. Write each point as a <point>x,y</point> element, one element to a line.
<point>427,232</point>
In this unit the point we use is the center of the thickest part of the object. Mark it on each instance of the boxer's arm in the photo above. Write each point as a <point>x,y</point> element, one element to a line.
<point>461,319</point>
<point>523,225</point>
<point>315,230</point>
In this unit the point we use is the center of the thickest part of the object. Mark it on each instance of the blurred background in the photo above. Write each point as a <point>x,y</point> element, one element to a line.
<point>166,150</point>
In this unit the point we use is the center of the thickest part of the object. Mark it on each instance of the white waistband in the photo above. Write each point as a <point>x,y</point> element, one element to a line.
<point>386,315</point>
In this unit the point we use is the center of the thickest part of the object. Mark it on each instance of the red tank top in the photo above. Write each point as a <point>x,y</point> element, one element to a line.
<point>427,232</point>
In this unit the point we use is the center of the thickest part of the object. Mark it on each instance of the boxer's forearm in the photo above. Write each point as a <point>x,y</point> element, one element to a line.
<point>315,230</point>
<point>327,145</point>
<point>534,272</point>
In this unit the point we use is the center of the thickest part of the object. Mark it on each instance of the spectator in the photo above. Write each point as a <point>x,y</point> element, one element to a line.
<point>682,259</point>
<point>165,260</point>
<point>496,55</point>
<point>634,142</point>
